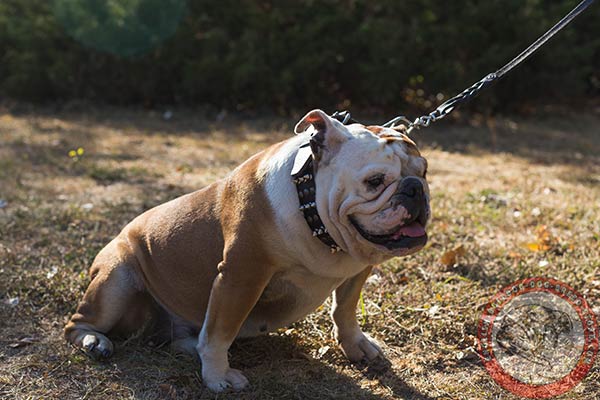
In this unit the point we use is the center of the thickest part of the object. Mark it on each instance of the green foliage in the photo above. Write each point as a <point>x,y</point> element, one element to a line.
<point>381,55</point>
<point>122,27</point>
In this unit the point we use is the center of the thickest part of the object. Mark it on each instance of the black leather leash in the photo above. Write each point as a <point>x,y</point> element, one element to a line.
<point>449,105</point>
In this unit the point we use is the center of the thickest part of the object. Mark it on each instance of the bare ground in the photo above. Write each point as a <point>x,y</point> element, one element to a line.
<point>520,200</point>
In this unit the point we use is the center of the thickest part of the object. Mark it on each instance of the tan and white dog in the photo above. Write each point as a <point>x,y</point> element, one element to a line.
<point>238,258</point>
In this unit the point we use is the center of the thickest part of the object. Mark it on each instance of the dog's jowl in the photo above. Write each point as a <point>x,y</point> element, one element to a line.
<point>263,247</point>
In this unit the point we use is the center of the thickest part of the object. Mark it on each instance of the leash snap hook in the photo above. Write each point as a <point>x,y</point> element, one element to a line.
<point>394,122</point>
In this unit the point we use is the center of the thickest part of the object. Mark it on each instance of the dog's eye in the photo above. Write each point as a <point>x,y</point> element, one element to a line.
<point>375,181</point>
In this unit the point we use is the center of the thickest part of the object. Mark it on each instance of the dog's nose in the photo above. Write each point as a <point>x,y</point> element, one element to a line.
<point>411,187</point>
<point>410,195</point>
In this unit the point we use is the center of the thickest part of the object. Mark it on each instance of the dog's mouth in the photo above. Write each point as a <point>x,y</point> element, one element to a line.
<point>409,236</point>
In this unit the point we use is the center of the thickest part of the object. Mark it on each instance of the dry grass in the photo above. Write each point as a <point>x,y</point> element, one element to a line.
<point>491,197</point>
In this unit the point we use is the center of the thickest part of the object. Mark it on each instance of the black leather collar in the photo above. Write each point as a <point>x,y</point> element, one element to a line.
<point>303,175</point>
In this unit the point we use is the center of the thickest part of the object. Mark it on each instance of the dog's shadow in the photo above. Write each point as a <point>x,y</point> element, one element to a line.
<point>285,362</point>
<point>278,366</point>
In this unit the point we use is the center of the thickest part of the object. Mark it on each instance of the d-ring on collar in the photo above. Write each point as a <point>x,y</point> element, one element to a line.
<point>304,178</point>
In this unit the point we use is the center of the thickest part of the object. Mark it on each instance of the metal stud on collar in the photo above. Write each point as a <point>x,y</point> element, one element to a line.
<point>306,206</point>
<point>303,178</point>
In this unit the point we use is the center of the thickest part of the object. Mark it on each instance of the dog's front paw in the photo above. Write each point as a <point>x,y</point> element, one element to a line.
<point>233,378</point>
<point>360,347</point>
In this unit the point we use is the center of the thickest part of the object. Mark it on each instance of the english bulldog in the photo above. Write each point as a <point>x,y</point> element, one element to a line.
<point>263,247</point>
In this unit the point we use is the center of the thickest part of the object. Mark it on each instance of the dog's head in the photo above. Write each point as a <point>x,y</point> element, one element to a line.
<point>372,194</point>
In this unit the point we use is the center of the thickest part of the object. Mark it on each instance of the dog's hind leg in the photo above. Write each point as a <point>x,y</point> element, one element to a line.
<point>180,333</point>
<point>114,300</point>
<point>186,345</point>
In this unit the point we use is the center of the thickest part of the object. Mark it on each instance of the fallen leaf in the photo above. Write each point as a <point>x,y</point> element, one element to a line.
<point>23,342</point>
<point>545,240</point>
<point>450,257</point>
<point>537,247</point>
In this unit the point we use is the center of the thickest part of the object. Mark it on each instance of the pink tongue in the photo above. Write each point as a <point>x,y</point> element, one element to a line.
<point>413,230</point>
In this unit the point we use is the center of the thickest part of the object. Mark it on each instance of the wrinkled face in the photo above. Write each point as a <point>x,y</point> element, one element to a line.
<point>371,189</point>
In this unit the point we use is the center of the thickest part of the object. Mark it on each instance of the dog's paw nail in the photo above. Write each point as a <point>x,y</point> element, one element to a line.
<point>96,345</point>
<point>89,342</point>
<point>105,353</point>
<point>218,387</point>
<point>233,379</point>
<point>237,380</point>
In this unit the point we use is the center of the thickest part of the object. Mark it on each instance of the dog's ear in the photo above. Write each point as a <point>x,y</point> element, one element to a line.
<point>327,133</point>
<point>315,118</point>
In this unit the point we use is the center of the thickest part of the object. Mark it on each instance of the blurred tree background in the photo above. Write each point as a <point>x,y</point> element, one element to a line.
<point>376,56</point>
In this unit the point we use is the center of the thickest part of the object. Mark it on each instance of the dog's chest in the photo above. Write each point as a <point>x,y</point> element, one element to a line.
<point>286,299</point>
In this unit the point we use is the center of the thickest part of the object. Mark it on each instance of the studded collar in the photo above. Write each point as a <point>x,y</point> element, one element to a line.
<point>304,178</point>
